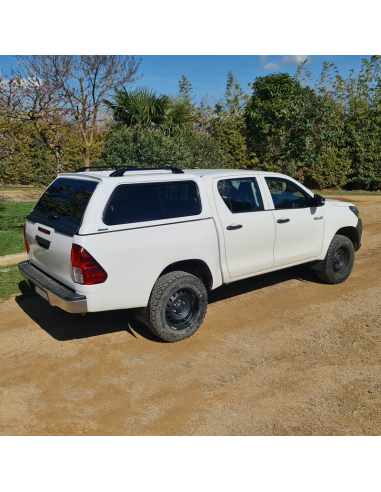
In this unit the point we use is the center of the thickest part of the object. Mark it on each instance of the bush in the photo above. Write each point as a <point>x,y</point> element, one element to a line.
<point>29,162</point>
<point>331,171</point>
<point>147,147</point>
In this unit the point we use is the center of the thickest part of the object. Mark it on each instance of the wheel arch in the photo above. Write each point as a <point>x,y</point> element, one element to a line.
<point>352,234</point>
<point>195,267</point>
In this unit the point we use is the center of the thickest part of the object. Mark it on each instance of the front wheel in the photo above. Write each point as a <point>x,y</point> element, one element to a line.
<point>338,263</point>
<point>177,306</point>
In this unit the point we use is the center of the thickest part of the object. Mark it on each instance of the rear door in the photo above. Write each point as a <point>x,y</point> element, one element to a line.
<point>249,229</point>
<point>51,226</point>
<point>299,227</point>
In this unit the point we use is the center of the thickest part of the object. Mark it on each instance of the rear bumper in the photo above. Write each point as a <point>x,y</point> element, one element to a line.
<point>52,290</point>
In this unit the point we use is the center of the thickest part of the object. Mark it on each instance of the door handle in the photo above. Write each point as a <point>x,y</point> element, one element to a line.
<point>233,227</point>
<point>283,221</point>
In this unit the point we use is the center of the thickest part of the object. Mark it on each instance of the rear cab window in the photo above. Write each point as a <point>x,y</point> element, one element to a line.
<point>241,195</point>
<point>63,205</point>
<point>147,202</point>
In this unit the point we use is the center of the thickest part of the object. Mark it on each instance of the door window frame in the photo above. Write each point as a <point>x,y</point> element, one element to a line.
<point>261,189</point>
<point>294,183</point>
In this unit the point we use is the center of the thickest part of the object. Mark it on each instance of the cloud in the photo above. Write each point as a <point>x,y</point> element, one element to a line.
<point>295,59</point>
<point>262,59</point>
<point>271,66</point>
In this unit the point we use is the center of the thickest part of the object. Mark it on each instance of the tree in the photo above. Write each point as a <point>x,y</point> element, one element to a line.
<point>147,147</point>
<point>145,107</point>
<point>358,102</point>
<point>362,130</point>
<point>84,81</point>
<point>186,90</point>
<point>228,125</point>
<point>289,125</point>
<point>29,100</point>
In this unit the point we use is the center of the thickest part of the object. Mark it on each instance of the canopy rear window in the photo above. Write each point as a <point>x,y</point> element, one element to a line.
<point>63,204</point>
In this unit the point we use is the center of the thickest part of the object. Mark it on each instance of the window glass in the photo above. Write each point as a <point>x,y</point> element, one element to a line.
<point>285,194</point>
<point>140,203</point>
<point>133,204</point>
<point>179,199</point>
<point>63,204</point>
<point>241,195</point>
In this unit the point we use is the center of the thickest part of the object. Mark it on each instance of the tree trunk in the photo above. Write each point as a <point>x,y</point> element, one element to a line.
<point>59,161</point>
<point>284,167</point>
<point>86,157</point>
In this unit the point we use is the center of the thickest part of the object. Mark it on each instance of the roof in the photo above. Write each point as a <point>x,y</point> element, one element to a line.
<point>168,174</point>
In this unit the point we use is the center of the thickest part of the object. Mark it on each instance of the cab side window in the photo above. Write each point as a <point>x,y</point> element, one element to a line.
<point>241,195</point>
<point>286,195</point>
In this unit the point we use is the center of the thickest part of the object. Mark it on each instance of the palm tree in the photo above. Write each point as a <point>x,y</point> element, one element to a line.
<point>144,107</point>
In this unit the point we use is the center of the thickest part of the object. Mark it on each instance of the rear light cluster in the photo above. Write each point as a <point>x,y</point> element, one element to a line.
<point>86,270</point>
<point>26,241</point>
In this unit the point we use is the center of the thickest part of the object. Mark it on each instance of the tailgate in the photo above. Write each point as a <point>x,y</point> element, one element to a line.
<point>50,251</point>
<point>51,227</point>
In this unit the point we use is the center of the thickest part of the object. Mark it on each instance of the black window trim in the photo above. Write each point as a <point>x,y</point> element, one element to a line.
<point>155,183</point>
<point>292,183</point>
<point>243,211</point>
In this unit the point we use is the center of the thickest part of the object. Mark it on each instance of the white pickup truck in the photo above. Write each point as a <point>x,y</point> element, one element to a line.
<point>157,240</point>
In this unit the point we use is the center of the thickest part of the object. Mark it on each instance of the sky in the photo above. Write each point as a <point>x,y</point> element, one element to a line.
<point>208,74</point>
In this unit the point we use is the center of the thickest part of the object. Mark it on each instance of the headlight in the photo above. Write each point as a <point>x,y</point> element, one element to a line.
<point>355,210</point>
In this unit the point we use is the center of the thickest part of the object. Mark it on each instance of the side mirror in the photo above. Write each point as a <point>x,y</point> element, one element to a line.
<point>317,201</point>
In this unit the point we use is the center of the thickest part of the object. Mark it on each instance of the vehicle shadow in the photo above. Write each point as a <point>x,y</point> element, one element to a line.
<point>300,272</point>
<point>63,326</point>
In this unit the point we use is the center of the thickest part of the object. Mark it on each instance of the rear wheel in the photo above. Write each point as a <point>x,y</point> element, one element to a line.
<point>177,306</point>
<point>338,263</point>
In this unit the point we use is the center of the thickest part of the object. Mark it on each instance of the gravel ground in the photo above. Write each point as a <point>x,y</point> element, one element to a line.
<point>278,354</point>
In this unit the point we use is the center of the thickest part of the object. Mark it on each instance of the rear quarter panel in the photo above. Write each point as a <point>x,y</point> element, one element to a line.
<point>134,259</point>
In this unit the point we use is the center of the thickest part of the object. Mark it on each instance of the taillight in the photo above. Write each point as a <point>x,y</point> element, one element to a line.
<point>86,270</point>
<point>26,241</point>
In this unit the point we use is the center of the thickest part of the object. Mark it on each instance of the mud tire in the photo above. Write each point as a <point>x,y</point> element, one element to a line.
<point>341,250</point>
<point>171,293</point>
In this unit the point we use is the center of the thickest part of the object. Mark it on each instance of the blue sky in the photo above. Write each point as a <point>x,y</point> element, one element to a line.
<point>208,73</point>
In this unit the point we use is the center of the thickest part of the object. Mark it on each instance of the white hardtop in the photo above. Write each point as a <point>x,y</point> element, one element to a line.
<point>154,175</point>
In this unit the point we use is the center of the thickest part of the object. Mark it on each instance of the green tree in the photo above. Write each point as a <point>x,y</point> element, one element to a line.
<point>289,125</point>
<point>228,125</point>
<point>362,135</point>
<point>186,90</point>
<point>147,147</point>
<point>145,107</point>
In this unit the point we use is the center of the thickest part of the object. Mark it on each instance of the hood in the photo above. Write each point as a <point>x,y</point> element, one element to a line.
<point>339,203</point>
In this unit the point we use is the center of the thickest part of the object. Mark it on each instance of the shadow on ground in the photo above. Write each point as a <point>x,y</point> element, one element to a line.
<point>63,326</point>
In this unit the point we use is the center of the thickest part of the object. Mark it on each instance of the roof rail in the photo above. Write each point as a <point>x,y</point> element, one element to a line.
<point>83,169</point>
<point>120,172</point>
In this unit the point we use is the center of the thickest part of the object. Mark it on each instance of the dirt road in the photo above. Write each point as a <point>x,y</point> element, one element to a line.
<point>279,354</point>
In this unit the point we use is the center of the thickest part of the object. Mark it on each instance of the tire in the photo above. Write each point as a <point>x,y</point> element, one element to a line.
<point>338,263</point>
<point>177,306</point>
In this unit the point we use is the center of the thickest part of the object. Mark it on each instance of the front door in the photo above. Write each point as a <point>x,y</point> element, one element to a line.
<point>299,227</point>
<point>249,229</point>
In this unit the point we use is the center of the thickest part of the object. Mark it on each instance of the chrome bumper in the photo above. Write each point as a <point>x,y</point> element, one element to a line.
<point>52,290</point>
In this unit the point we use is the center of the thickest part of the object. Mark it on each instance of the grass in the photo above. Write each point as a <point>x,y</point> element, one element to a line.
<point>24,188</point>
<point>347,192</point>
<point>12,219</point>
<point>11,283</point>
